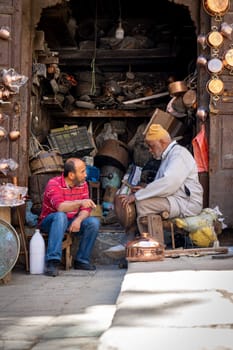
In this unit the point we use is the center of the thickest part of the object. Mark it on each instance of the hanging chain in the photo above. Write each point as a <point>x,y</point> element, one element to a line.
<point>93,80</point>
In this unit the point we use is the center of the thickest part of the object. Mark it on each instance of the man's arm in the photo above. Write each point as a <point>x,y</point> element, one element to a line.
<point>67,206</point>
<point>76,224</point>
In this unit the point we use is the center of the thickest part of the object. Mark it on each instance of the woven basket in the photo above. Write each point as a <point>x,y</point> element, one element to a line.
<point>46,162</point>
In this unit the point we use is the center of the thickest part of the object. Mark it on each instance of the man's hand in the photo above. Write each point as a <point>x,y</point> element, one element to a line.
<point>87,203</point>
<point>135,188</point>
<point>67,206</point>
<point>75,225</point>
<point>125,200</point>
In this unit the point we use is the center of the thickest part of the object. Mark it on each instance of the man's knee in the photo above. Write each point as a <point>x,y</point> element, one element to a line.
<point>93,222</point>
<point>61,218</point>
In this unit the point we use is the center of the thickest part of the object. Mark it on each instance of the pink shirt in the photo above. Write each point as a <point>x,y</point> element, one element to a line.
<point>57,191</point>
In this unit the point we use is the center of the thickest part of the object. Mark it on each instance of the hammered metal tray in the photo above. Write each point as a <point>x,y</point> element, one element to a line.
<point>9,248</point>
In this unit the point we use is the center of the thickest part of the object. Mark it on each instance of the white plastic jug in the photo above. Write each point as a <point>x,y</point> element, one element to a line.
<point>37,253</point>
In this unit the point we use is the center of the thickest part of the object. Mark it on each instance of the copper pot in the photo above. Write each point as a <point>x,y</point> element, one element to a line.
<point>201,39</point>
<point>126,215</point>
<point>201,61</point>
<point>202,113</point>
<point>226,30</point>
<point>190,99</point>
<point>177,87</point>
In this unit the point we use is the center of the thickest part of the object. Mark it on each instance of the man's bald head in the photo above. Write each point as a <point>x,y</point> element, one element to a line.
<point>72,164</point>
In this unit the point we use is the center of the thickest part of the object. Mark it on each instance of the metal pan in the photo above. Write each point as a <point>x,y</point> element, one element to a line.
<point>177,87</point>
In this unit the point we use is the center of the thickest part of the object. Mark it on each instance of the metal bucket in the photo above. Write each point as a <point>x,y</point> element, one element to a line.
<point>114,153</point>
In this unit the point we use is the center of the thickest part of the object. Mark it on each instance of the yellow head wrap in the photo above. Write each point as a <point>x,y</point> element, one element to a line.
<point>156,132</point>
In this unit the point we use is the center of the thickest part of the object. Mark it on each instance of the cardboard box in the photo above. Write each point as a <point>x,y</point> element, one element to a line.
<point>174,126</point>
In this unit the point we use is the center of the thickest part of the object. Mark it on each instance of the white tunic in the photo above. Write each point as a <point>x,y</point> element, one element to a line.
<point>177,180</point>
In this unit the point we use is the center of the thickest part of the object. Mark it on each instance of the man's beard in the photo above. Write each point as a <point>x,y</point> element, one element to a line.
<point>79,183</point>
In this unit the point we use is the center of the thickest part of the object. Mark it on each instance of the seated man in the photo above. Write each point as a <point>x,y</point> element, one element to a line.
<point>176,187</point>
<point>67,206</point>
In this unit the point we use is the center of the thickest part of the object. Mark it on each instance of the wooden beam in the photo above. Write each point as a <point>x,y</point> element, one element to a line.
<point>169,253</point>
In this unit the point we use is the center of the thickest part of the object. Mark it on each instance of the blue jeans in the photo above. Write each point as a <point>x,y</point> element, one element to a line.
<point>56,224</point>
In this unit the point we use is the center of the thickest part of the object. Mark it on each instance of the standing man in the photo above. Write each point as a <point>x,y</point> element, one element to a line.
<point>67,206</point>
<point>176,187</point>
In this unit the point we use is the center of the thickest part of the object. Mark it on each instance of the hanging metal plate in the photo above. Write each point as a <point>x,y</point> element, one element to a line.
<point>216,7</point>
<point>215,66</point>
<point>215,86</point>
<point>215,39</point>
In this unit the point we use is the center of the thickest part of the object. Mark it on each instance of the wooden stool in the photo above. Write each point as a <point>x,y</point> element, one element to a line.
<point>168,223</point>
<point>66,245</point>
<point>155,225</point>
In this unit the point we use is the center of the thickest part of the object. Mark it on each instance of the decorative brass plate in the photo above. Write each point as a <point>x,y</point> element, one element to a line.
<point>216,7</point>
<point>228,59</point>
<point>215,86</point>
<point>215,39</point>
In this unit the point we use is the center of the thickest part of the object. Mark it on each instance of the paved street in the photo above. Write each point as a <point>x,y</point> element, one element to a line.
<point>70,311</point>
<point>184,303</point>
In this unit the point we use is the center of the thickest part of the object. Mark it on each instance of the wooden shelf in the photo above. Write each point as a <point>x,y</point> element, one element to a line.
<point>107,113</point>
<point>53,105</point>
<point>76,57</point>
